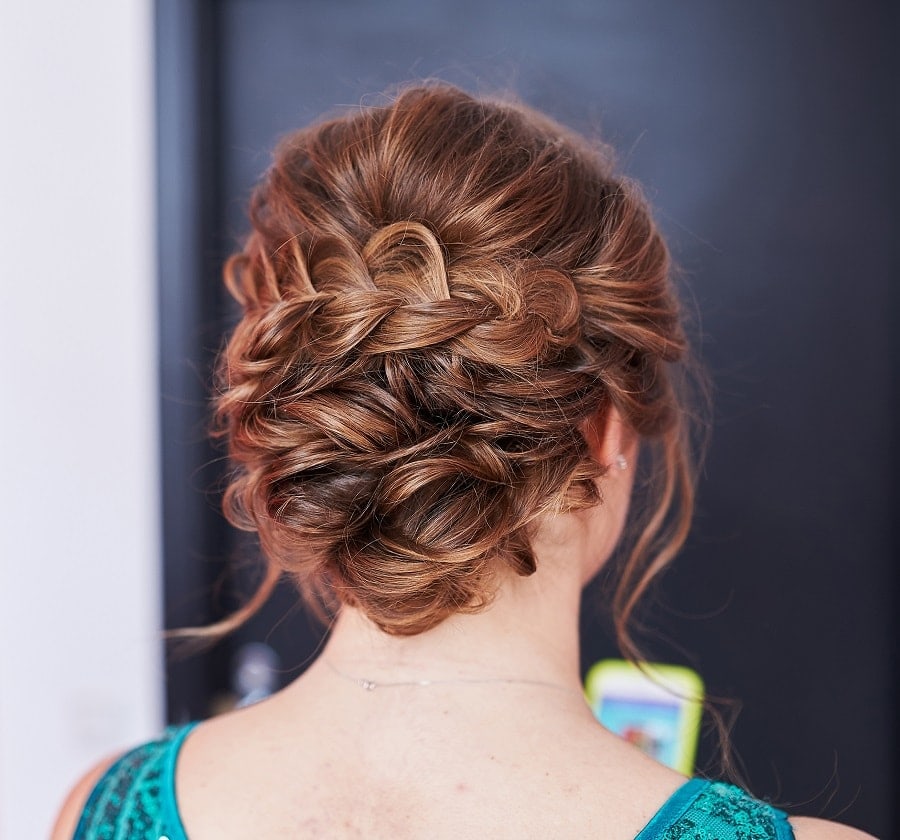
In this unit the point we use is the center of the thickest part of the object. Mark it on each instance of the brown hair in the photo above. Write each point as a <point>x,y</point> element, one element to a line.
<point>436,295</point>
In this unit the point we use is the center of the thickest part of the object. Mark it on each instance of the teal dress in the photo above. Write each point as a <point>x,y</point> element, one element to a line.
<point>135,800</point>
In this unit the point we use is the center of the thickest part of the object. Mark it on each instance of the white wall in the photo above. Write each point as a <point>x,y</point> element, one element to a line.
<point>79,547</point>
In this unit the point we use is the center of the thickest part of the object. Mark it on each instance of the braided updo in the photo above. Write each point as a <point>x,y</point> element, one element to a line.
<point>436,295</point>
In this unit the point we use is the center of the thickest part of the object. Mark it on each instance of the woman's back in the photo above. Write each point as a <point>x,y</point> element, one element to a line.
<point>530,769</point>
<point>239,776</point>
<point>444,762</point>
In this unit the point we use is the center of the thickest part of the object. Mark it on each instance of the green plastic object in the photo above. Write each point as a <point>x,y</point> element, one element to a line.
<point>656,707</point>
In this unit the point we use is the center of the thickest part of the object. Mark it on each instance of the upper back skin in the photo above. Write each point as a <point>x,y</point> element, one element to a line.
<point>407,763</point>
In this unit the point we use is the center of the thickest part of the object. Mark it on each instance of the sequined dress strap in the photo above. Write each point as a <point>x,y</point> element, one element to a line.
<point>135,798</point>
<point>701,809</point>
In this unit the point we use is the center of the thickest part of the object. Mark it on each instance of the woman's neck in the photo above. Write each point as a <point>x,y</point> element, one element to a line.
<point>529,633</point>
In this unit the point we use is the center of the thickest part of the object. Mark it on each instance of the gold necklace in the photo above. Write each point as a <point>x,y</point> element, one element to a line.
<point>370,685</point>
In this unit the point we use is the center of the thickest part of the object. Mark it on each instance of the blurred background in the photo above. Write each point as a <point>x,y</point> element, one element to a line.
<point>765,135</point>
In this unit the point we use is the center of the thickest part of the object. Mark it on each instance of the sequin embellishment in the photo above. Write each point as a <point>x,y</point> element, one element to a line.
<point>704,810</point>
<point>135,798</point>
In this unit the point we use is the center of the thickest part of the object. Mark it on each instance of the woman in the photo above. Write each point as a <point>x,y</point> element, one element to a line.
<point>458,332</point>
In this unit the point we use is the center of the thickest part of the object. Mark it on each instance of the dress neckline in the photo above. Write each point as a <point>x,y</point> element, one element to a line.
<point>172,816</point>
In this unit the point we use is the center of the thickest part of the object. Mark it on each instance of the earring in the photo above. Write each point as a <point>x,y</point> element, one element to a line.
<point>621,462</point>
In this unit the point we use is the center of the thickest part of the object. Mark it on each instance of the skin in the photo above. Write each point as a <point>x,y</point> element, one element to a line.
<point>459,759</point>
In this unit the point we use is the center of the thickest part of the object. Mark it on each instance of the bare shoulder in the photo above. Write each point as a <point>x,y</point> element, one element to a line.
<point>69,814</point>
<point>808,828</point>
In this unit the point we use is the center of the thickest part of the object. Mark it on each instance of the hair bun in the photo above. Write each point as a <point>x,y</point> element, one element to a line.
<point>437,294</point>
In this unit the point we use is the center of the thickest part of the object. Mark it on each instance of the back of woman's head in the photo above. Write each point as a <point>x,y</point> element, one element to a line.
<point>437,294</point>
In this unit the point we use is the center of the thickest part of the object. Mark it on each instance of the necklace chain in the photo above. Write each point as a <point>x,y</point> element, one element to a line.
<point>370,685</point>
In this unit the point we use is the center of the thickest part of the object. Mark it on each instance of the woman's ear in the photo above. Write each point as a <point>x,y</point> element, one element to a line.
<point>609,439</point>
